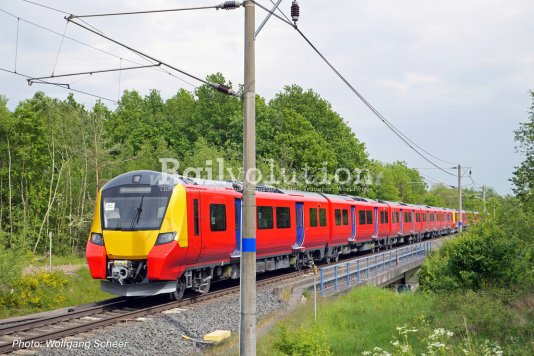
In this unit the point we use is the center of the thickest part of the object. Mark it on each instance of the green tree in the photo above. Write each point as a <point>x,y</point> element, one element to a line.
<point>523,176</point>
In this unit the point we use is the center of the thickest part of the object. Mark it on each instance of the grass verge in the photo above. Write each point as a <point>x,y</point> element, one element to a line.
<point>382,322</point>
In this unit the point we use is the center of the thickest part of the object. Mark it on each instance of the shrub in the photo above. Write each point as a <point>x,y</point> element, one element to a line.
<point>486,257</point>
<point>34,291</point>
<point>301,342</point>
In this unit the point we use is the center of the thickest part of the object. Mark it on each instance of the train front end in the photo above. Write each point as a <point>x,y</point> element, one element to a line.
<point>139,234</point>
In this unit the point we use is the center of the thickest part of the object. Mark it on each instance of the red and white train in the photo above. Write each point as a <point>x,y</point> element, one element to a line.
<point>158,233</point>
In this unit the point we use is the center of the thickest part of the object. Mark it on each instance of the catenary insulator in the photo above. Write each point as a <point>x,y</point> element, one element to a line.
<point>295,11</point>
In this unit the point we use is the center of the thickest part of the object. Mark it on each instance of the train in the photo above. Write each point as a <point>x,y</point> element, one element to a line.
<point>155,233</point>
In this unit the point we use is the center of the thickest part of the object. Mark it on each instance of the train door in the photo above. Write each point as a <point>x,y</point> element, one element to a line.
<point>299,210</point>
<point>401,219</point>
<point>353,223</point>
<point>413,220</point>
<point>238,227</point>
<point>195,237</point>
<point>376,222</point>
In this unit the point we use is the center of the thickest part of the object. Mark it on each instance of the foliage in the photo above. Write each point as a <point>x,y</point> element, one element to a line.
<point>56,154</point>
<point>492,254</point>
<point>438,342</point>
<point>305,342</point>
<point>34,291</point>
<point>46,291</point>
<point>523,176</point>
<point>482,323</point>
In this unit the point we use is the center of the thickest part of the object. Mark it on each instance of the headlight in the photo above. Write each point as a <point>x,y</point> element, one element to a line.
<point>165,238</point>
<point>97,239</point>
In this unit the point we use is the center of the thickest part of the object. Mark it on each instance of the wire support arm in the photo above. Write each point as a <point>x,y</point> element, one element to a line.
<point>32,80</point>
<point>218,87</point>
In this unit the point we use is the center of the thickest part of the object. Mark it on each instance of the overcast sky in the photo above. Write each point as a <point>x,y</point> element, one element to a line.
<point>452,75</point>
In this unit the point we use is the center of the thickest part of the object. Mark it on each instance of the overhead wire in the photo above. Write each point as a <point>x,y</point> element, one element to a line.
<point>60,46</point>
<point>17,44</point>
<point>388,124</point>
<point>60,85</point>
<point>159,69</point>
<point>219,87</point>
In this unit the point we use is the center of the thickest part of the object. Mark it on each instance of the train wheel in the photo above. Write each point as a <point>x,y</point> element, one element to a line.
<point>178,293</point>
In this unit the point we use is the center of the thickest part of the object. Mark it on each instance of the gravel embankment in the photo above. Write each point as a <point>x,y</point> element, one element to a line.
<point>161,334</point>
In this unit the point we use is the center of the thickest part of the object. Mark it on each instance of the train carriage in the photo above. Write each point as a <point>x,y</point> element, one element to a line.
<point>156,233</point>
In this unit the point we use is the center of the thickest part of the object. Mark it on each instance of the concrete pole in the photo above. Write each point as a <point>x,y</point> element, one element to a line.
<point>247,328</point>
<point>460,220</point>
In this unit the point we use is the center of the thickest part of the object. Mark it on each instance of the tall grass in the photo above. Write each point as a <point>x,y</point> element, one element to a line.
<point>367,318</point>
<point>355,322</point>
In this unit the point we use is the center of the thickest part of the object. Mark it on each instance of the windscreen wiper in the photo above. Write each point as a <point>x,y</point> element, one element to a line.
<point>137,214</point>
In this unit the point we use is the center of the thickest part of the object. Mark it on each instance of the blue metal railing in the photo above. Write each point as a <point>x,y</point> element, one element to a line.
<point>346,271</point>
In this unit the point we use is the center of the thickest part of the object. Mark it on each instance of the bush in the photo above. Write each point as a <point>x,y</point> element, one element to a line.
<point>487,314</point>
<point>301,342</point>
<point>11,265</point>
<point>34,291</point>
<point>488,256</point>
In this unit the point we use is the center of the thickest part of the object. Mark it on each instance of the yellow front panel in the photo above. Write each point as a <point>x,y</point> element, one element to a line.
<point>134,245</point>
<point>137,244</point>
<point>176,216</point>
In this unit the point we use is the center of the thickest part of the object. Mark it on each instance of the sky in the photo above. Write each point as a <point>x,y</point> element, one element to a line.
<point>454,76</point>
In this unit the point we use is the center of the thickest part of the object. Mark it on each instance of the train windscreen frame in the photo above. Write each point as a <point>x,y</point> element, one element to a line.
<point>134,207</point>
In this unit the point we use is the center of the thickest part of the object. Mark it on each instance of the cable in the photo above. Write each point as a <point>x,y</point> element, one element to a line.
<point>59,85</point>
<point>90,46</point>
<point>436,181</point>
<point>279,10</point>
<point>219,87</point>
<point>47,7</point>
<point>60,46</point>
<point>17,44</point>
<point>396,131</point>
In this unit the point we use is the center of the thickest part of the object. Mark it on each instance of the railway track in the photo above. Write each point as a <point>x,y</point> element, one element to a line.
<point>76,321</point>
<point>40,330</point>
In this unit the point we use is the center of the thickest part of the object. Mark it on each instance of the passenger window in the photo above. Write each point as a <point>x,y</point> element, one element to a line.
<point>362,217</point>
<point>386,213</point>
<point>338,217</point>
<point>218,217</point>
<point>283,218</point>
<point>322,217</point>
<point>313,217</point>
<point>417,217</point>
<point>369,216</point>
<point>345,217</point>
<point>265,217</point>
<point>195,216</point>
